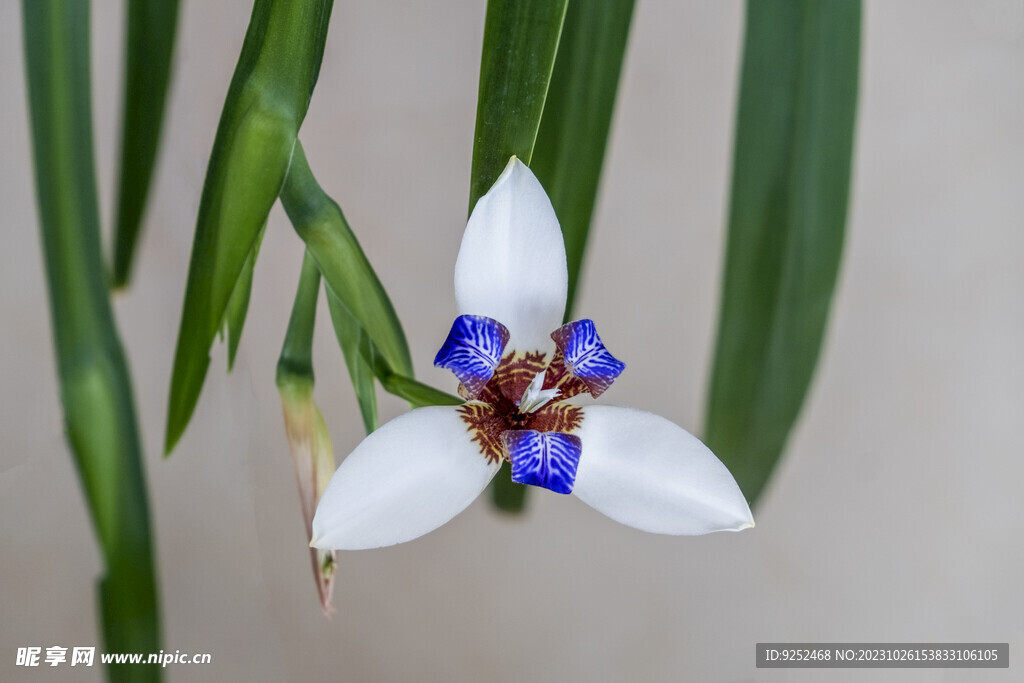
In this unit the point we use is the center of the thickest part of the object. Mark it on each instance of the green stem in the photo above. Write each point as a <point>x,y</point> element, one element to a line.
<point>95,387</point>
<point>296,360</point>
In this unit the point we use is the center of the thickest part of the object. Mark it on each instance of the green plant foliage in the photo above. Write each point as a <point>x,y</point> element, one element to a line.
<point>265,106</point>
<point>95,388</point>
<point>296,361</point>
<point>520,42</point>
<point>238,304</point>
<point>791,179</point>
<point>350,337</point>
<point>365,322</point>
<point>151,27</point>
<point>577,117</point>
<point>347,272</point>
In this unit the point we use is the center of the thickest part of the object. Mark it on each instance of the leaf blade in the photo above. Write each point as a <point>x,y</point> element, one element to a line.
<point>265,106</point>
<point>346,270</point>
<point>238,303</point>
<point>519,47</point>
<point>573,135</point>
<point>151,29</point>
<point>791,173</point>
<point>350,336</point>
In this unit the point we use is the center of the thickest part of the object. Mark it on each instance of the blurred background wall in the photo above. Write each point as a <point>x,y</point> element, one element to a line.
<point>895,517</point>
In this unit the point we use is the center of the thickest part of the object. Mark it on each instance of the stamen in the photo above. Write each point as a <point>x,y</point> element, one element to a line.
<point>535,397</point>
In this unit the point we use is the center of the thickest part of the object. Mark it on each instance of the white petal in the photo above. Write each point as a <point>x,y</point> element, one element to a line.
<point>511,265</point>
<point>406,479</point>
<point>646,472</point>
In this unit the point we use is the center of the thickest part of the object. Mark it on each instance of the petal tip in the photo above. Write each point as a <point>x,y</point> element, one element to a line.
<point>743,520</point>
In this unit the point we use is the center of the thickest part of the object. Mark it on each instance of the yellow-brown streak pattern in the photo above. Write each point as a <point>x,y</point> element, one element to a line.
<point>557,417</point>
<point>486,427</point>
<point>515,373</point>
<point>558,375</point>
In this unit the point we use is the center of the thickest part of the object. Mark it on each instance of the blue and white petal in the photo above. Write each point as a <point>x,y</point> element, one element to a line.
<point>586,357</point>
<point>404,480</point>
<point>473,350</point>
<point>511,265</point>
<point>547,459</point>
<point>646,472</point>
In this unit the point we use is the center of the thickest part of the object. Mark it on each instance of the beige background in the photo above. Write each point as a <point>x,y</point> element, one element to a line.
<point>895,517</point>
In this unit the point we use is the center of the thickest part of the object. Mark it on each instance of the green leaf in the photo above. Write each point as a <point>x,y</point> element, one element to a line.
<point>574,131</point>
<point>360,308</point>
<point>238,304</point>
<point>264,109</point>
<point>415,392</point>
<point>791,180</point>
<point>350,336</point>
<point>520,42</point>
<point>95,388</point>
<point>519,48</point>
<point>151,26</point>
<point>347,272</point>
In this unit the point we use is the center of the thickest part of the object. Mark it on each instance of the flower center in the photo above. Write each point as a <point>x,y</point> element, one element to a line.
<point>514,409</point>
<point>495,411</point>
<point>535,395</point>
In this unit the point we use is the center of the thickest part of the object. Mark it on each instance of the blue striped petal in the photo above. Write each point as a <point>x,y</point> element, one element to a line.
<point>585,356</point>
<point>547,459</point>
<point>473,350</point>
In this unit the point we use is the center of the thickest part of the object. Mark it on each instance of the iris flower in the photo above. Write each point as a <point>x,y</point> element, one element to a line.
<point>517,365</point>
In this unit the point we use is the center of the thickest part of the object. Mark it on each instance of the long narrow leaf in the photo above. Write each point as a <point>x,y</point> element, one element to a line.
<point>350,336</point>
<point>346,271</point>
<point>415,392</point>
<point>360,308</point>
<point>264,109</point>
<point>238,304</point>
<point>577,116</point>
<point>791,178</point>
<point>151,27</point>
<point>519,48</point>
<point>94,383</point>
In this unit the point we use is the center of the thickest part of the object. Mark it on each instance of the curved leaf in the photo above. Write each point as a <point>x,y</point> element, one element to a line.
<point>265,106</point>
<point>347,272</point>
